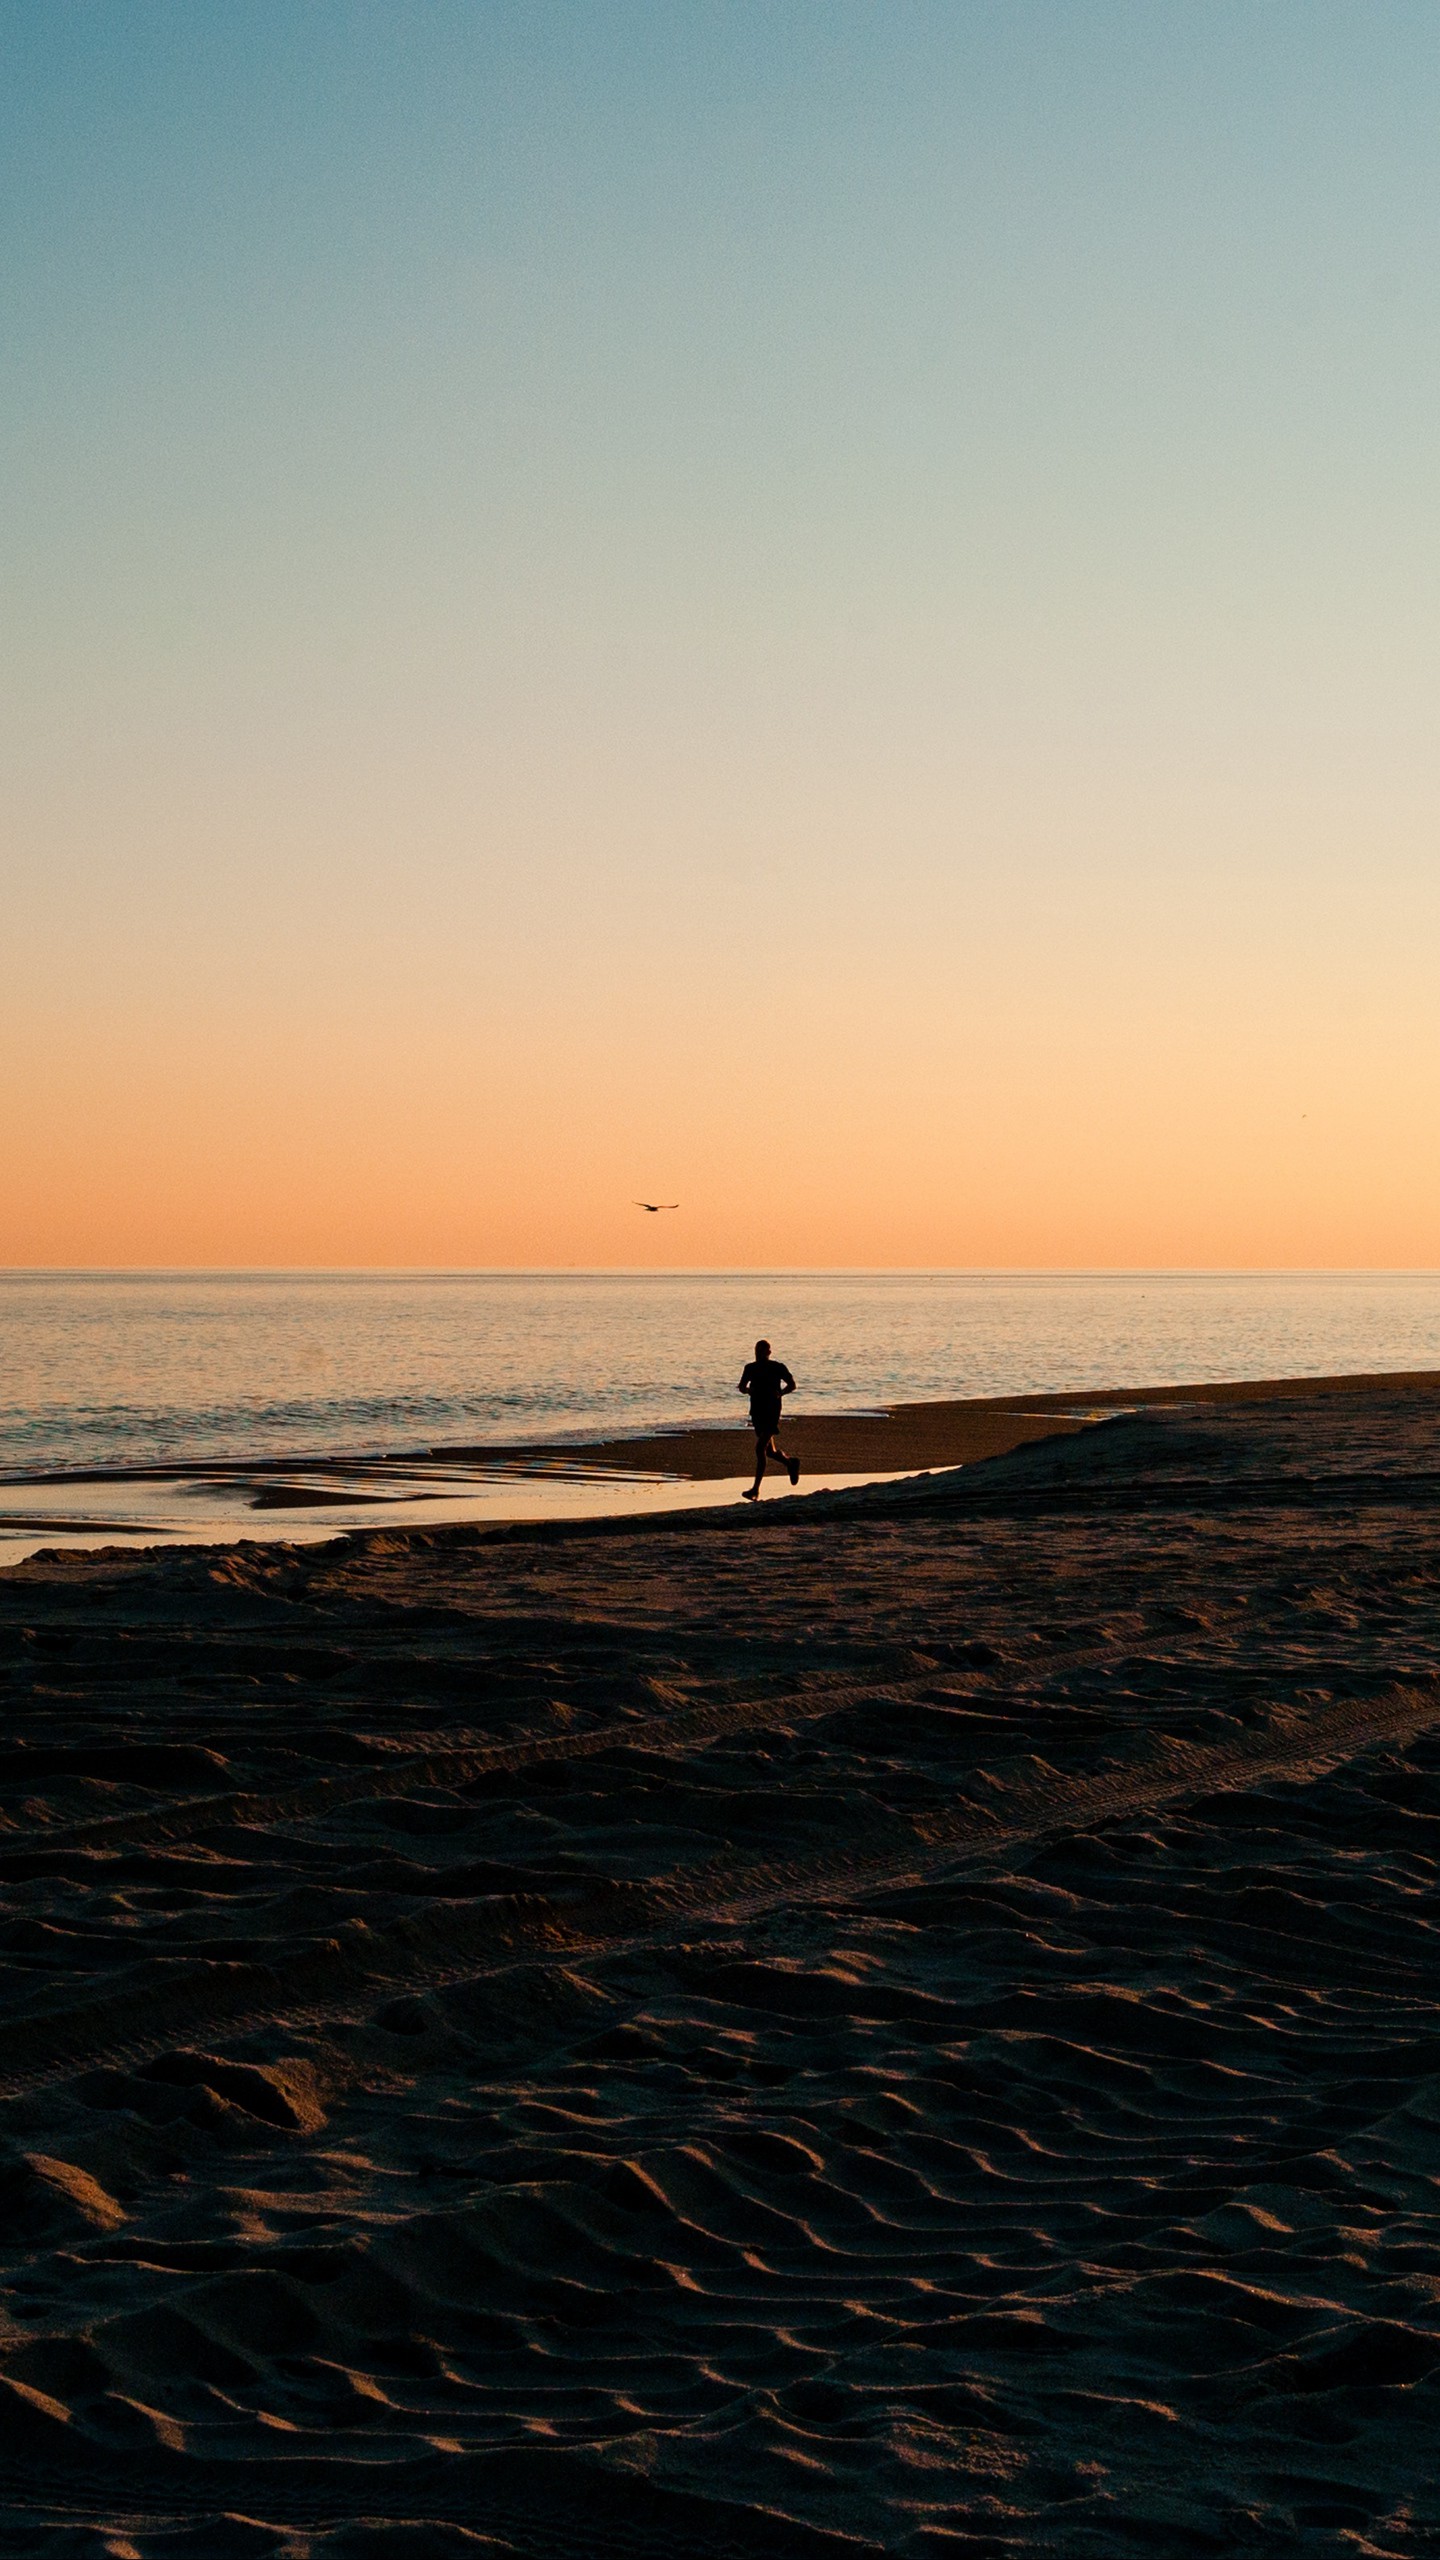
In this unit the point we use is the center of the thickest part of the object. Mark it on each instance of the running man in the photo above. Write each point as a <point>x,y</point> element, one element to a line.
<point>765,1381</point>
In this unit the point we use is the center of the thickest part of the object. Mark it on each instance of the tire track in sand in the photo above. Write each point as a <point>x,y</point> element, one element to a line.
<point>464,1757</point>
<point>359,1967</point>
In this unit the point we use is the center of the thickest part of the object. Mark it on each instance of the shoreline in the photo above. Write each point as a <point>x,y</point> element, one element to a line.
<point>881,1440</point>
<point>215,1503</point>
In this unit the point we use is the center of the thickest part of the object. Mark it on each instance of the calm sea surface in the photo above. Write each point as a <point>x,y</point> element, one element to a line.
<point>107,1370</point>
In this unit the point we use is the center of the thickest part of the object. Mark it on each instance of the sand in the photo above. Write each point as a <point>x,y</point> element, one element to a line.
<point>912,1437</point>
<point>901,2022</point>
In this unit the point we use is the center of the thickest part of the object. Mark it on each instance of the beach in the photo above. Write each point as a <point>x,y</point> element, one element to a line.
<point>914,1437</point>
<point>901,2021</point>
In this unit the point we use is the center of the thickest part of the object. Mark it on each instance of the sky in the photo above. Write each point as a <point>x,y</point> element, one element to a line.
<point>826,610</point>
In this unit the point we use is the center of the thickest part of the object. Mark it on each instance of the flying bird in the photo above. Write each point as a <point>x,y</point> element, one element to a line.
<point>655,1206</point>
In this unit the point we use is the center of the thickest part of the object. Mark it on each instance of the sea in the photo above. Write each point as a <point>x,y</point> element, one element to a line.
<point>110,1379</point>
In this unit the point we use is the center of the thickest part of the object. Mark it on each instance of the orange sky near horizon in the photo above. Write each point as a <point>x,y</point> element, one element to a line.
<point>952,1100</point>
<point>829,614</point>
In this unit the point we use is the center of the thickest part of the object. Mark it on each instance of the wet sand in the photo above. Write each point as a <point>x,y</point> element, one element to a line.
<point>899,2022</point>
<point>914,1437</point>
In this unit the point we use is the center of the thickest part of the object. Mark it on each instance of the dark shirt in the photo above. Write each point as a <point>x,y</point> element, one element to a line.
<point>764,1381</point>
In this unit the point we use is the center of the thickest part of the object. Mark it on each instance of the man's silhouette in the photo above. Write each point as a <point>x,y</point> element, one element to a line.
<point>765,1381</point>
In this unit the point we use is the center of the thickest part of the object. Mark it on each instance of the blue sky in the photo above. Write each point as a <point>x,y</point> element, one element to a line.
<point>579,573</point>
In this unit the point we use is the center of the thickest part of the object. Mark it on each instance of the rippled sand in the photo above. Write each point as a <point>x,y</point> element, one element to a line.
<point>897,2023</point>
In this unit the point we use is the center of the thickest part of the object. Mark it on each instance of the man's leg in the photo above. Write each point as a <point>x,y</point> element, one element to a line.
<point>782,1459</point>
<point>762,1443</point>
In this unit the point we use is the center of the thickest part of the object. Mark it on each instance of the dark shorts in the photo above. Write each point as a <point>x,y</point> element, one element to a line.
<point>764,1420</point>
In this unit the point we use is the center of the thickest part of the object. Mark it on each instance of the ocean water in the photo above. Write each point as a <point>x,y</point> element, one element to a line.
<point>118,1371</point>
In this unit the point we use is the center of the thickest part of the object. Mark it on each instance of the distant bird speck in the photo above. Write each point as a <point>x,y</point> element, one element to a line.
<point>655,1206</point>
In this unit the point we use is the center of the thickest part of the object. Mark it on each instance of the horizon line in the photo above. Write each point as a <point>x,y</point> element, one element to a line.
<point>714,1271</point>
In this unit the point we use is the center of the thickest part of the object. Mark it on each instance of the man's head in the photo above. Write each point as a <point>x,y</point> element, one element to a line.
<point>762,1350</point>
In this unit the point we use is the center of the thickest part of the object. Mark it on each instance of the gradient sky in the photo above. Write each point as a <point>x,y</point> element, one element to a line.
<point>825,610</point>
